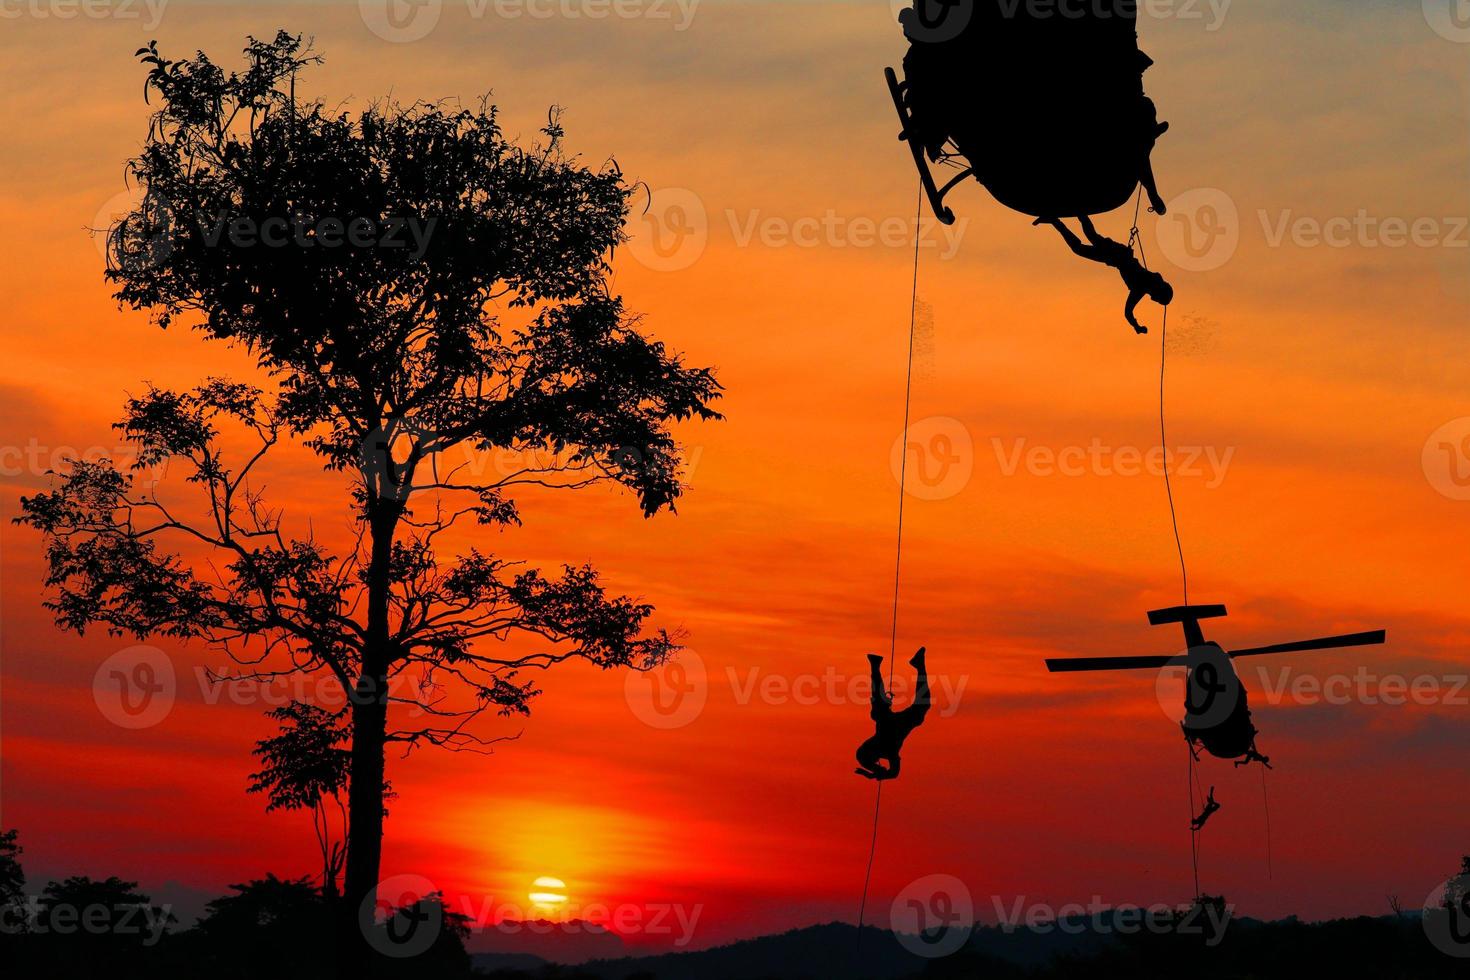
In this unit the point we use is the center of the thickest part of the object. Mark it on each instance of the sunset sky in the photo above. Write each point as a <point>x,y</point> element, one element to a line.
<point>1311,382</point>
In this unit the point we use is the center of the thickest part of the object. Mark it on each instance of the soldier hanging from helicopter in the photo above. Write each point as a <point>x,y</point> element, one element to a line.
<point>893,727</point>
<point>1139,280</point>
<point>1251,755</point>
<point>1211,806</point>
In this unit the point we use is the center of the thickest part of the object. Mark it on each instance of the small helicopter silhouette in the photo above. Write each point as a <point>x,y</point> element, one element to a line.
<point>1217,713</point>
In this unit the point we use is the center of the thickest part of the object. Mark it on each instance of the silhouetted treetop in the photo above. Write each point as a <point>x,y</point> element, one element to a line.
<point>414,232</point>
<point>114,895</point>
<point>306,761</point>
<point>259,904</point>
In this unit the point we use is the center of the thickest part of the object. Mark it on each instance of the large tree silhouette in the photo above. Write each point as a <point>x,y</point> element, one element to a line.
<point>416,285</point>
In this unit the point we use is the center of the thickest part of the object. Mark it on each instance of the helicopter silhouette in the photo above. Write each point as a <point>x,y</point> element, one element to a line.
<point>1217,715</point>
<point>1046,109</point>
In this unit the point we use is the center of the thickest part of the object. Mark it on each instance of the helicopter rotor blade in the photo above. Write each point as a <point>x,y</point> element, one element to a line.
<point>1064,665</point>
<point>1368,638</point>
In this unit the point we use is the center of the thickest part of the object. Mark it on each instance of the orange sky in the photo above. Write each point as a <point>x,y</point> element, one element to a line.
<point>1316,373</point>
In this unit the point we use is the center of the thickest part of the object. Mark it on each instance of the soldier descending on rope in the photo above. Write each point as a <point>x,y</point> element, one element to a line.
<point>1211,806</point>
<point>892,726</point>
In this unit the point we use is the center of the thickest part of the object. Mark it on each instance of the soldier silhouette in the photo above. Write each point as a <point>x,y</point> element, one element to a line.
<point>1099,248</point>
<point>892,726</point>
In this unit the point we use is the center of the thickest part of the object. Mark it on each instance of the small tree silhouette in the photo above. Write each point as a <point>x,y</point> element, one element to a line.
<point>109,903</point>
<point>1457,889</point>
<point>270,927</point>
<point>260,904</point>
<point>304,767</point>
<point>268,224</point>
<point>12,889</point>
<point>12,876</point>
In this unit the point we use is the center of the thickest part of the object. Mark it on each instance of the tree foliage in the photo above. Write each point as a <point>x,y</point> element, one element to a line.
<point>385,362</point>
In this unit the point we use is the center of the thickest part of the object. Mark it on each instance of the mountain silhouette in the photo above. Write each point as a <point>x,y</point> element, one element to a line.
<point>542,941</point>
<point>1385,947</point>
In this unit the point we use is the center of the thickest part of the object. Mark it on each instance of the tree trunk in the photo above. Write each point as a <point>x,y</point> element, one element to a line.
<point>369,731</point>
<point>364,828</point>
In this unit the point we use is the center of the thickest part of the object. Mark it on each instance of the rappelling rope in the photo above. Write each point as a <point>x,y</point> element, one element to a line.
<point>1266,804</point>
<point>1196,793</point>
<point>1193,834</point>
<point>908,391</point>
<point>1164,448</point>
<point>1135,241</point>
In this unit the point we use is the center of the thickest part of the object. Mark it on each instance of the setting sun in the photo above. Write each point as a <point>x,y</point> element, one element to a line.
<point>548,894</point>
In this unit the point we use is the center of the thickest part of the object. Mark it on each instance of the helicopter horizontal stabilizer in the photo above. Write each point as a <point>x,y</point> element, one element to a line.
<point>1184,614</point>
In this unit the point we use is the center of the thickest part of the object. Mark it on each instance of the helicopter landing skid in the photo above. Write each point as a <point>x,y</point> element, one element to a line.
<point>931,191</point>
